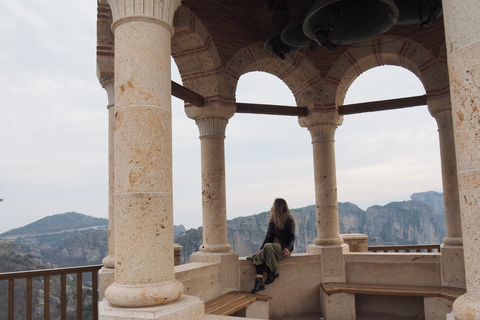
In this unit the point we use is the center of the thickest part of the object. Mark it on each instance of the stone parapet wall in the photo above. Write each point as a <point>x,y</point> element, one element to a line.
<point>296,291</point>
<point>200,279</point>
<point>421,269</point>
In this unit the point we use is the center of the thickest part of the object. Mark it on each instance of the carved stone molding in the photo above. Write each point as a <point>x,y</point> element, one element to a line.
<point>162,10</point>
<point>212,126</point>
<point>444,118</point>
<point>108,85</point>
<point>322,132</point>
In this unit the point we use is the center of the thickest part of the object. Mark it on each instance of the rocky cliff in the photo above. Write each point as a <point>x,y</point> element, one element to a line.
<point>417,221</point>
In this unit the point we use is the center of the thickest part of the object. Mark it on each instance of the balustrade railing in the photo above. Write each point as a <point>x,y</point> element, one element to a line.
<point>48,275</point>
<point>406,248</point>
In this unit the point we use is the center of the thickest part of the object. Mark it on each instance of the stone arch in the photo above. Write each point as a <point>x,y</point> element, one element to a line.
<point>388,50</point>
<point>196,56</point>
<point>297,72</point>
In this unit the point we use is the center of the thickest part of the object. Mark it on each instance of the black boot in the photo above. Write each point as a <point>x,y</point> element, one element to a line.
<point>258,285</point>
<point>271,277</point>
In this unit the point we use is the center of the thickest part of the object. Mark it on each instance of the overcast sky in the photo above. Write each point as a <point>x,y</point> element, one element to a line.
<point>53,125</point>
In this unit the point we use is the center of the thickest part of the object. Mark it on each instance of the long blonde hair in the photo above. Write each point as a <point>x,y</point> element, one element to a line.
<point>279,213</point>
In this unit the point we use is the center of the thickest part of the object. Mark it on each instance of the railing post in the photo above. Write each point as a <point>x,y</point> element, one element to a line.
<point>29,298</point>
<point>11,298</point>
<point>46,298</point>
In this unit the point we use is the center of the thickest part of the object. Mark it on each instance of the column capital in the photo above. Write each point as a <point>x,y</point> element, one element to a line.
<point>212,126</point>
<point>160,10</point>
<point>322,125</point>
<point>108,85</point>
<point>322,131</point>
<point>444,118</point>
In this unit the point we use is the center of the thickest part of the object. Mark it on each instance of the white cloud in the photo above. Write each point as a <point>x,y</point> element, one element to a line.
<point>53,155</point>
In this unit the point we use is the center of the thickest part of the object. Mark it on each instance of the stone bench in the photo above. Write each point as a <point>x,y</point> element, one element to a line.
<point>338,298</point>
<point>255,305</point>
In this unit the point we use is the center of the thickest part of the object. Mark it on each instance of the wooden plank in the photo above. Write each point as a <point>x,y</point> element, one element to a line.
<point>234,306</point>
<point>63,297</point>
<point>221,301</point>
<point>271,109</point>
<point>94,295</point>
<point>46,298</point>
<point>399,290</point>
<point>29,299</point>
<point>11,298</point>
<point>79,296</point>
<point>383,105</point>
<point>187,95</point>
<point>232,302</point>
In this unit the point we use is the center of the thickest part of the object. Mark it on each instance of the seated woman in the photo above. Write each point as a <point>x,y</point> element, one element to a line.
<point>278,244</point>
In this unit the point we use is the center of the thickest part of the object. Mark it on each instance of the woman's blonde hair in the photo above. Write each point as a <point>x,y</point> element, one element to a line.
<point>280,213</point>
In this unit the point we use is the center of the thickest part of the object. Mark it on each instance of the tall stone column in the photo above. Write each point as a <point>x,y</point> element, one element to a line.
<point>106,274</point>
<point>462,29</point>
<point>214,200</point>
<point>215,247</point>
<point>328,242</point>
<point>144,266</point>
<point>453,267</point>
<point>328,227</point>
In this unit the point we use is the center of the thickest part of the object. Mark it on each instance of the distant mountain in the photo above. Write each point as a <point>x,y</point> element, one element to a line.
<point>74,239</point>
<point>57,223</point>
<point>65,239</point>
<point>417,221</point>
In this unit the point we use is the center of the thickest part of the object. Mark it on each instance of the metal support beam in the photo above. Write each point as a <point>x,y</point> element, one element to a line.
<point>198,100</point>
<point>271,109</point>
<point>383,105</point>
<point>187,95</point>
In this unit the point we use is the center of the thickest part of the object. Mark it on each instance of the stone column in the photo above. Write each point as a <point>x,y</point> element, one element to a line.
<point>453,267</point>
<point>328,227</point>
<point>106,274</point>
<point>329,243</point>
<point>144,266</point>
<point>215,247</point>
<point>214,200</point>
<point>462,29</point>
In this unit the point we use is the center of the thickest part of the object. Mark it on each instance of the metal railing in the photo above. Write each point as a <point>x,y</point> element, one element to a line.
<point>406,248</point>
<point>46,274</point>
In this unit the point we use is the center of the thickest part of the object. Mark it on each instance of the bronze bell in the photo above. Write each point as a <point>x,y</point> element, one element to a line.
<point>293,34</point>
<point>348,21</point>
<point>418,11</point>
<point>274,43</point>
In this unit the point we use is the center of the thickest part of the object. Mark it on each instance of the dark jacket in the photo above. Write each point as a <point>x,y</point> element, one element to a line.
<point>286,236</point>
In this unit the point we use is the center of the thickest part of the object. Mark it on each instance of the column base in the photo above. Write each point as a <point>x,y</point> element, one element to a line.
<point>184,308</point>
<point>140,296</point>
<point>106,277</point>
<point>466,307</point>
<point>453,266</point>
<point>229,265</point>
<point>215,248</point>
<point>333,265</point>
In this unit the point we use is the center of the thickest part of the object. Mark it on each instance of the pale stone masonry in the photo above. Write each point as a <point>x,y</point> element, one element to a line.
<point>213,48</point>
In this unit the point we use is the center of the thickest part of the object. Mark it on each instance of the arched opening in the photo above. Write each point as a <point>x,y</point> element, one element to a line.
<point>187,181</point>
<point>386,156</point>
<point>267,156</point>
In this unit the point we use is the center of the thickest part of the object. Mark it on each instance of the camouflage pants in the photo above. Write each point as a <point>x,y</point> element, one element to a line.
<point>270,255</point>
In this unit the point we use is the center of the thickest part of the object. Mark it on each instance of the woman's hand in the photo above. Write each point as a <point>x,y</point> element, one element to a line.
<point>285,252</point>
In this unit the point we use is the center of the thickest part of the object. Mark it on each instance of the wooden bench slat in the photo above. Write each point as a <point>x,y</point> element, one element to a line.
<point>221,301</point>
<point>233,306</point>
<point>232,302</point>
<point>401,290</point>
